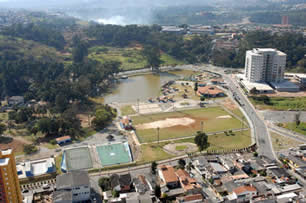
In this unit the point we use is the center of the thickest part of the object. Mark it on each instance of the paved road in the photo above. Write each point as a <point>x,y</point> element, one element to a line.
<point>261,132</point>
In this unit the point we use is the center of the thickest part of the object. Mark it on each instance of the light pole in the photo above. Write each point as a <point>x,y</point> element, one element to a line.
<point>202,126</point>
<point>158,135</point>
<point>138,105</point>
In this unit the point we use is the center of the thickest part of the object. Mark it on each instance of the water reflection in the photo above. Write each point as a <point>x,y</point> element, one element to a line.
<point>143,87</point>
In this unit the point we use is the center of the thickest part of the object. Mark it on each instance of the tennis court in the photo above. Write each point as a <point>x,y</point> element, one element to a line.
<point>112,154</point>
<point>78,159</point>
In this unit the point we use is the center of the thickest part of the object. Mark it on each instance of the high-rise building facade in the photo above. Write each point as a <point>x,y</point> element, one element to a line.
<point>9,183</point>
<point>285,20</point>
<point>265,65</point>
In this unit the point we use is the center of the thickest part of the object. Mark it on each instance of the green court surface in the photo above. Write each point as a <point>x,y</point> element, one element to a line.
<point>113,154</point>
<point>78,159</point>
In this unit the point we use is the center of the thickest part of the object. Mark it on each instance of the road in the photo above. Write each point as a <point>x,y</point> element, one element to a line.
<point>261,133</point>
<point>262,136</point>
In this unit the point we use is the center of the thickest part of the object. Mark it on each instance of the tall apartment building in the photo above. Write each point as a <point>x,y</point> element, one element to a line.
<point>265,65</point>
<point>285,20</point>
<point>9,183</point>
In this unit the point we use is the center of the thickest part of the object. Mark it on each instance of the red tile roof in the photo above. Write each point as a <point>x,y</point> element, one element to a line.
<point>211,90</point>
<point>193,197</point>
<point>168,173</point>
<point>243,189</point>
<point>64,138</point>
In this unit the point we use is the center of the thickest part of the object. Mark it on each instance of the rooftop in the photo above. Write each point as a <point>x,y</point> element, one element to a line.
<point>72,179</point>
<point>212,90</point>
<point>168,173</point>
<point>217,167</point>
<point>243,189</point>
<point>62,196</point>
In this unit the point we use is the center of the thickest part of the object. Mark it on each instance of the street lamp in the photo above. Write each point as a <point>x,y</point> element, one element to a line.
<point>202,126</point>
<point>158,135</point>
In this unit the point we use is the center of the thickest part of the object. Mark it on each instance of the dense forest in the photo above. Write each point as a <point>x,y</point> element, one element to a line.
<point>290,43</point>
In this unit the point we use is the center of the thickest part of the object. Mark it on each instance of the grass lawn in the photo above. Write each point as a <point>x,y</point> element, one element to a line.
<point>127,110</point>
<point>180,148</point>
<point>130,58</point>
<point>280,142</point>
<point>153,152</point>
<point>292,126</point>
<point>238,113</point>
<point>282,103</point>
<point>223,142</point>
<point>207,115</point>
<point>58,161</point>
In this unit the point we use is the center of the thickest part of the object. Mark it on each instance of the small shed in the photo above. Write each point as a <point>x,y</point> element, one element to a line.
<point>63,140</point>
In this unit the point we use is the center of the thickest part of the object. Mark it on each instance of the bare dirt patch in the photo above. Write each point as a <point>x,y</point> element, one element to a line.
<point>229,104</point>
<point>167,123</point>
<point>172,148</point>
<point>85,120</point>
<point>14,144</point>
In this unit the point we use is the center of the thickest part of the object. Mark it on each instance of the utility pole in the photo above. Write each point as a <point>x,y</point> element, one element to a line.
<point>137,105</point>
<point>202,126</point>
<point>158,135</point>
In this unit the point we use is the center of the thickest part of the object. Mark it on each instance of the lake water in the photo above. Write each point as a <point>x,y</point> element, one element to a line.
<point>143,87</point>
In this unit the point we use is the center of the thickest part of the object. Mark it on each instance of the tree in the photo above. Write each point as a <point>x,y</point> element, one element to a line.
<point>152,54</point>
<point>30,149</point>
<point>201,140</point>
<point>105,183</point>
<point>115,193</point>
<point>195,87</point>
<point>254,90</point>
<point>157,191</point>
<point>2,128</point>
<point>181,163</point>
<point>202,98</point>
<point>297,119</point>
<point>153,167</point>
<point>102,117</point>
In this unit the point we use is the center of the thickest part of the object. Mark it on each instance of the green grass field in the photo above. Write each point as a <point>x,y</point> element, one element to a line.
<point>207,115</point>
<point>153,152</point>
<point>299,129</point>
<point>127,110</point>
<point>222,142</point>
<point>180,148</point>
<point>282,103</point>
<point>130,58</point>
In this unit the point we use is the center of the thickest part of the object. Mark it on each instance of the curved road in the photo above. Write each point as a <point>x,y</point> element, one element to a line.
<point>262,136</point>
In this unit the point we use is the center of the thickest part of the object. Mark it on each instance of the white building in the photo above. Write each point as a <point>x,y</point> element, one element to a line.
<point>265,65</point>
<point>74,185</point>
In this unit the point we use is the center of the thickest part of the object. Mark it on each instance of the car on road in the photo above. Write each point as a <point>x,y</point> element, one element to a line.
<point>46,186</point>
<point>25,191</point>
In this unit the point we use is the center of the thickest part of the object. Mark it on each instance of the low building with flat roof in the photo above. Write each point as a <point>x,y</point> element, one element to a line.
<point>260,87</point>
<point>285,86</point>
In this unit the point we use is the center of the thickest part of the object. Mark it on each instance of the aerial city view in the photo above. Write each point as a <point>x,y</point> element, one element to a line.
<point>139,101</point>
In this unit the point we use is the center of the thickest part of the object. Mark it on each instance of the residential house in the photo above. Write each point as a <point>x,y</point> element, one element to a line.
<point>121,183</point>
<point>217,168</point>
<point>75,182</point>
<point>15,100</point>
<point>142,185</point>
<point>201,166</point>
<point>168,176</point>
<point>246,191</point>
<point>210,91</point>
<point>194,198</point>
<point>189,184</point>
